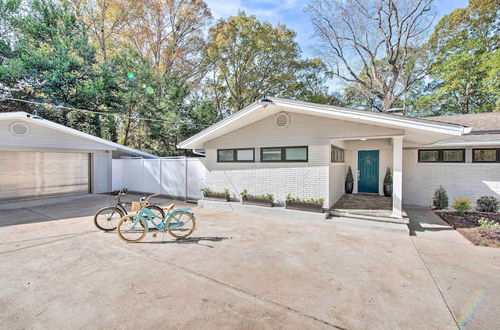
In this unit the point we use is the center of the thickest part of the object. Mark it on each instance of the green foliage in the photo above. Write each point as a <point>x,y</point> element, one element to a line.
<point>349,178</point>
<point>486,223</point>
<point>249,59</point>
<point>388,177</point>
<point>440,200</point>
<point>291,198</point>
<point>48,57</point>
<point>466,61</point>
<point>208,191</point>
<point>266,196</point>
<point>462,205</point>
<point>487,204</point>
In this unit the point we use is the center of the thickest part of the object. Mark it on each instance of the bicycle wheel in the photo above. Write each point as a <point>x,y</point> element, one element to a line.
<point>131,228</point>
<point>107,218</point>
<point>181,224</point>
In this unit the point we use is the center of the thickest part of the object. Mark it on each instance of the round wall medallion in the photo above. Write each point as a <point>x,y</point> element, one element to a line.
<point>282,120</point>
<point>18,128</point>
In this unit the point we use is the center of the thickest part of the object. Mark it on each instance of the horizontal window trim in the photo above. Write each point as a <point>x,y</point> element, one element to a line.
<point>283,155</point>
<point>440,156</point>
<point>497,159</point>
<point>235,156</point>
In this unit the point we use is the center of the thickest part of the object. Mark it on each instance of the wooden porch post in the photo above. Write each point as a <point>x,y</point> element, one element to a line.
<point>397,176</point>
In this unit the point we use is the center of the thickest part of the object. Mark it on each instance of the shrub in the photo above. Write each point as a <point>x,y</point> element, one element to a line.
<point>349,178</point>
<point>462,205</point>
<point>487,204</point>
<point>245,193</point>
<point>290,198</point>
<point>208,191</point>
<point>440,200</point>
<point>388,177</point>
<point>485,223</point>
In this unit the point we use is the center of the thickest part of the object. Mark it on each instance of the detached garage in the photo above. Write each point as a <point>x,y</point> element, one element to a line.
<point>39,158</point>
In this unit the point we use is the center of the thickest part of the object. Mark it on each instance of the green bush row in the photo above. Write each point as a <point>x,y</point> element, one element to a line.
<point>290,198</point>
<point>245,193</point>
<point>462,205</point>
<point>208,191</point>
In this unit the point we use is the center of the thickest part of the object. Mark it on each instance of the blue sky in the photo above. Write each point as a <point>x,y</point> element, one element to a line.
<point>291,13</point>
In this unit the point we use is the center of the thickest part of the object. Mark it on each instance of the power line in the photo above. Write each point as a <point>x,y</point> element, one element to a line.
<point>97,112</point>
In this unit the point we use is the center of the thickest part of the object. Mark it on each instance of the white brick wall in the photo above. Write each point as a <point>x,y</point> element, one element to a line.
<point>461,180</point>
<point>337,182</point>
<point>304,180</point>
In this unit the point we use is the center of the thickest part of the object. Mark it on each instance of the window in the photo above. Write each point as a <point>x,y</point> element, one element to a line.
<point>337,155</point>
<point>235,155</point>
<point>456,156</point>
<point>441,156</point>
<point>428,156</point>
<point>485,155</point>
<point>284,154</point>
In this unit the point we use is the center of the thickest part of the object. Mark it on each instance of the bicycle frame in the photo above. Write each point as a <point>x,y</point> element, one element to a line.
<point>147,215</point>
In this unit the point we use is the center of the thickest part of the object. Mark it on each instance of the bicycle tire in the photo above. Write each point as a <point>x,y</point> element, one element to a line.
<point>157,208</point>
<point>169,221</point>
<point>142,233</point>
<point>100,211</point>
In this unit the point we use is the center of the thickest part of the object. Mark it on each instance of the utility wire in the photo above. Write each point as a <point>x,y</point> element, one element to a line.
<point>97,112</point>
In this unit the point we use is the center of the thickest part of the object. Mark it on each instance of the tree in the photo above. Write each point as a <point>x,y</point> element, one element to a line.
<point>53,62</point>
<point>248,59</point>
<point>170,34</point>
<point>466,60</point>
<point>374,46</point>
<point>105,20</point>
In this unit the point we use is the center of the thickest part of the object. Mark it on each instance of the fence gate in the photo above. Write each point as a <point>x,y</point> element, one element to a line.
<point>176,177</point>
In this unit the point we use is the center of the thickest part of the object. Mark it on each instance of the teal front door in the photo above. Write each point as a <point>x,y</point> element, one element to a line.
<point>368,171</point>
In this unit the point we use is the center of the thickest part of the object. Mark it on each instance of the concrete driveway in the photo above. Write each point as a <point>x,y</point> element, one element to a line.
<point>236,271</point>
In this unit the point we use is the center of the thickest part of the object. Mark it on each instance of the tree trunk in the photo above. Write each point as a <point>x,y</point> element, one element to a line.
<point>388,102</point>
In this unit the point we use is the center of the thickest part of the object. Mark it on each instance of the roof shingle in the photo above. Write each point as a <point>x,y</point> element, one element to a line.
<point>481,123</point>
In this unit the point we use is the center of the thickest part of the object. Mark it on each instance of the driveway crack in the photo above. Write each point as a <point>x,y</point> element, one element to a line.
<point>236,289</point>
<point>435,283</point>
<point>38,213</point>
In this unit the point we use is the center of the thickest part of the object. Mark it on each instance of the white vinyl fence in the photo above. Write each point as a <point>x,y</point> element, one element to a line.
<point>176,177</point>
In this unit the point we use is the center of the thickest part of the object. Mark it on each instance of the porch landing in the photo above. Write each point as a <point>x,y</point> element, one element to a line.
<point>368,207</point>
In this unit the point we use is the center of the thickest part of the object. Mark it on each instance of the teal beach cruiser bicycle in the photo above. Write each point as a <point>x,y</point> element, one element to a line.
<point>179,223</point>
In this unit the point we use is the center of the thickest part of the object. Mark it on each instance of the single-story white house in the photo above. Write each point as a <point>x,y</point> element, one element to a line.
<point>40,158</point>
<point>282,146</point>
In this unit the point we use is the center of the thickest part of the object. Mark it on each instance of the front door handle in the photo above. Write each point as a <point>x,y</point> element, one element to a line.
<point>359,174</point>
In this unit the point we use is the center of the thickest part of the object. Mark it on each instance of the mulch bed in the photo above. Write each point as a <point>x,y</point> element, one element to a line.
<point>467,224</point>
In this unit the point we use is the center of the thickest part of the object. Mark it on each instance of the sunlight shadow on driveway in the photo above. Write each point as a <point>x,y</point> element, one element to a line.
<point>191,240</point>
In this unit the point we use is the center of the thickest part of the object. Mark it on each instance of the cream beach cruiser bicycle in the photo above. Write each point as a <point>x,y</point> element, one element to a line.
<point>179,223</point>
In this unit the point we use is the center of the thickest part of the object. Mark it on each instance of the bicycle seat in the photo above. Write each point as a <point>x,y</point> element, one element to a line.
<point>169,208</point>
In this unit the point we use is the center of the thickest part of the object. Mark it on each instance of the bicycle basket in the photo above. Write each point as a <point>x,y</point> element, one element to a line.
<point>136,206</point>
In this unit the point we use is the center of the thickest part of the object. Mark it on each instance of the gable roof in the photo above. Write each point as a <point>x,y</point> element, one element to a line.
<point>485,129</point>
<point>481,123</point>
<point>254,112</point>
<point>47,123</point>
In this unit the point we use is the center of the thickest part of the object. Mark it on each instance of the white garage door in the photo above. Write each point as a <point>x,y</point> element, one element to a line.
<point>37,174</point>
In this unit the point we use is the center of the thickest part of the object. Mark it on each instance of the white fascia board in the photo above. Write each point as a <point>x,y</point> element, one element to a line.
<point>375,118</point>
<point>465,144</point>
<point>188,143</point>
<point>44,122</point>
<point>335,112</point>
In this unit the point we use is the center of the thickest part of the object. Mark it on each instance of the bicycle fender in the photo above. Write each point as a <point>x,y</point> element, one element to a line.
<point>183,210</point>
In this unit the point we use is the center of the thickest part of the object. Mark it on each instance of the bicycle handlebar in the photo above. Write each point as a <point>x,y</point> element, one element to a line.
<point>145,199</point>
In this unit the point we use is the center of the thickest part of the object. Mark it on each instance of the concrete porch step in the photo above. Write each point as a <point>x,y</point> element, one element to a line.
<point>371,217</point>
